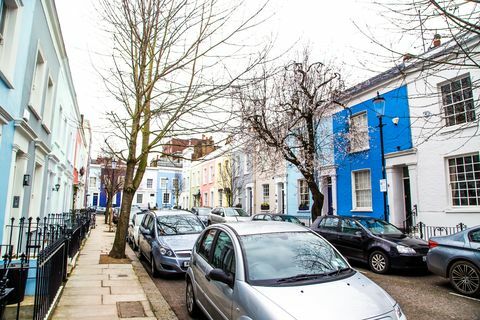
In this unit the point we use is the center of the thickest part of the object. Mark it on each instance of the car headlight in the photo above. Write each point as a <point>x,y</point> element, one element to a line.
<point>398,311</point>
<point>407,250</point>
<point>166,252</point>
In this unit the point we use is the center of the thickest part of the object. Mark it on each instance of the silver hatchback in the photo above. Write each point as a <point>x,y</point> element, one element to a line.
<point>276,270</point>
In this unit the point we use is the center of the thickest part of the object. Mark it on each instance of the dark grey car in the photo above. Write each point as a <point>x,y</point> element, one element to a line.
<point>457,257</point>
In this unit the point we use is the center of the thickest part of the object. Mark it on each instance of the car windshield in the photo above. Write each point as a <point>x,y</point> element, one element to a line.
<point>204,211</point>
<point>377,226</point>
<point>298,256</point>
<point>287,218</point>
<point>178,224</point>
<point>235,212</point>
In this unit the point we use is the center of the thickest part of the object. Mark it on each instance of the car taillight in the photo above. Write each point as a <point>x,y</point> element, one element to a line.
<point>432,244</point>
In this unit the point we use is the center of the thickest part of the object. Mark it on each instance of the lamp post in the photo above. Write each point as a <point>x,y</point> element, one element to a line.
<point>379,107</point>
<point>163,195</point>
<point>112,190</point>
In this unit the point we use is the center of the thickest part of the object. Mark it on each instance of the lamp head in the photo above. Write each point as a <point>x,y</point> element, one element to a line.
<point>379,105</point>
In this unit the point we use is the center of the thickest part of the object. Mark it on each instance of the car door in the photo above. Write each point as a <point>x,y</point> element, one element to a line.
<point>141,234</point>
<point>474,238</point>
<point>200,266</point>
<point>219,293</point>
<point>328,228</point>
<point>149,237</point>
<point>350,239</point>
<point>214,216</point>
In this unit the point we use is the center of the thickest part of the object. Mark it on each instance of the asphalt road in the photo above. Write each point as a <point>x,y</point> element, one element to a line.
<point>422,296</point>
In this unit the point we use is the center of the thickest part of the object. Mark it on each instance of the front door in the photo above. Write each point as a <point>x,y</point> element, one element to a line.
<point>95,200</point>
<point>329,196</point>
<point>408,219</point>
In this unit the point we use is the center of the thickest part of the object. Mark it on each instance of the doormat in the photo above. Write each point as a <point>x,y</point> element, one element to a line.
<point>105,259</point>
<point>130,309</point>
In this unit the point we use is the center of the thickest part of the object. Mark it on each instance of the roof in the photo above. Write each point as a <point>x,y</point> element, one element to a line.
<point>252,227</point>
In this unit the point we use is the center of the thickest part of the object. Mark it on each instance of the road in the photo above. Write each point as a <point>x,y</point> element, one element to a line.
<point>422,297</point>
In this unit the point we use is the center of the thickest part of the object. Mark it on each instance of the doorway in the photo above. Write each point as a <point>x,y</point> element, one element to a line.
<point>408,221</point>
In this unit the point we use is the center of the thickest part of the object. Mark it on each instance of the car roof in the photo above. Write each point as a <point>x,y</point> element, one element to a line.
<point>173,212</point>
<point>252,227</point>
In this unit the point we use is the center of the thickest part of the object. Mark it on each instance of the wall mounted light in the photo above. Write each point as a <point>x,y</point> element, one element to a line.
<point>396,120</point>
<point>26,180</point>
<point>57,186</point>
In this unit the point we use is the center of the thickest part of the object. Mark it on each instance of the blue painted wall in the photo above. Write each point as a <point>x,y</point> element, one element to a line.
<point>396,138</point>
<point>10,101</point>
<point>170,175</point>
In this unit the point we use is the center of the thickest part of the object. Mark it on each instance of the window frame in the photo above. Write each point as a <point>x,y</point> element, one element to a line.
<point>167,194</point>
<point>301,193</point>
<point>149,183</point>
<point>266,195</point>
<point>10,22</point>
<point>214,246</point>
<point>139,196</point>
<point>354,191</point>
<point>353,136</point>
<point>466,181</point>
<point>452,103</point>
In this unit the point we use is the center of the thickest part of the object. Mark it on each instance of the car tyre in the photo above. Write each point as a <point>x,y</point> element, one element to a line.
<point>379,262</point>
<point>192,307</point>
<point>465,278</point>
<point>153,267</point>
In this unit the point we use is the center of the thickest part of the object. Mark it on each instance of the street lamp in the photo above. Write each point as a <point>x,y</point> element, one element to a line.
<point>379,107</point>
<point>166,188</point>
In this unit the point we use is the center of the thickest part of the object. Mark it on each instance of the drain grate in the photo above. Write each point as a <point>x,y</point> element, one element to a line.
<point>122,275</point>
<point>130,309</point>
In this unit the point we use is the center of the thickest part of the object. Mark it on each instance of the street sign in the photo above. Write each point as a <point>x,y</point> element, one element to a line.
<point>383,185</point>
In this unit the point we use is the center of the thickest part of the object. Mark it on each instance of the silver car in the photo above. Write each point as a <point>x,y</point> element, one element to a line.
<point>457,257</point>
<point>133,227</point>
<point>166,238</point>
<point>275,270</point>
<point>227,214</point>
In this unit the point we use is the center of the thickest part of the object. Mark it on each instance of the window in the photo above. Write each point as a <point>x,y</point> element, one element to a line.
<point>139,197</point>
<point>349,226</point>
<point>329,223</point>
<point>37,84</point>
<point>465,180</point>
<point>175,184</point>
<point>48,107</point>
<point>93,182</point>
<point>212,174</point>
<point>149,183</point>
<point>359,132</point>
<point>303,195</point>
<point>205,197</point>
<point>457,101</point>
<point>474,235</point>
<point>266,193</point>
<point>224,254</point>
<point>362,195</point>
<point>166,198</point>
<point>9,29</point>
<point>205,246</point>
<point>205,175</point>
<point>163,183</point>
<point>220,198</point>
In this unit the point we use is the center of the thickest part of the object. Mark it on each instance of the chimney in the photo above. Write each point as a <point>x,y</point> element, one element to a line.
<point>437,40</point>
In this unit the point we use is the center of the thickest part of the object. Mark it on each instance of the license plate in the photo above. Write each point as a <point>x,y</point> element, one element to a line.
<point>186,264</point>
<point>424,258</point>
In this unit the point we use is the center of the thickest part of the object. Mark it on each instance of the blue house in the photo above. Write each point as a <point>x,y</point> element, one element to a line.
<point>358,158</point>
<point>168,179</point>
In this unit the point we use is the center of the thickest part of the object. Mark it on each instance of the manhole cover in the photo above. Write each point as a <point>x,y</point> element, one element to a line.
<point>130,309</point>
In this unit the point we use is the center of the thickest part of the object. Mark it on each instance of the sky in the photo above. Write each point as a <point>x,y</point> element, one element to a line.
<point>326,27</point>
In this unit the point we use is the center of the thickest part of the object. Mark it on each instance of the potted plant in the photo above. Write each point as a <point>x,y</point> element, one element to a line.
<point>265,206</point>
<point>303,206</point>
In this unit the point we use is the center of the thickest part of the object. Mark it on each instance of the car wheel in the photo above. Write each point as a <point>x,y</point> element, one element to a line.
<point>465,278</point>
<point>379,262</point>
<point>192,306</point>
<point>153,267</point>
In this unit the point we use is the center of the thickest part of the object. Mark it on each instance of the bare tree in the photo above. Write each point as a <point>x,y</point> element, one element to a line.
<point>230,180</point>
<point>112,182</point>
<point>166,54</point>
<point>286,110</point>
<point>177,184</point>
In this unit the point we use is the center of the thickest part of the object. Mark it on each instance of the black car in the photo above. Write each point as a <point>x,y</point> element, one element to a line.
<point>375,241</point>
<point>276,217</point>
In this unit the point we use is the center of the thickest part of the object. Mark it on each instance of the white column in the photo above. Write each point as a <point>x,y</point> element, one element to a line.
<point>9,200</point>
<point>390,194</point>
<point>412,173</point>
<point>334,194</point>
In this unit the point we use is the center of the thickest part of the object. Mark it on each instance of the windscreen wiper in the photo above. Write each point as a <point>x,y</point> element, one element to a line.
<point>301,277</point>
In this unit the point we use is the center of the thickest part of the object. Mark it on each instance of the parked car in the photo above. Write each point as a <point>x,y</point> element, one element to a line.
<point>276,270</point>
<point>457,257</point>
<point>133,227</point>
<point>100,210</point>
<point>377,242</point>
<point>227,214</point>
<point>166,239</point>
<point>202,213</point>
<point>276,217</point>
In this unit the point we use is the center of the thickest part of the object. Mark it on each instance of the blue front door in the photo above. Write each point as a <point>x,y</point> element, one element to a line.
<point>95,199</point>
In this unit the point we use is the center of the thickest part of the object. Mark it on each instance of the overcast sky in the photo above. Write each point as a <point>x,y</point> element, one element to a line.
<point>326,26</point>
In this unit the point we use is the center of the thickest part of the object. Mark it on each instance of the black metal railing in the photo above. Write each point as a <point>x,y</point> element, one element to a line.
<point>50,241</point>
<point>425,232</point>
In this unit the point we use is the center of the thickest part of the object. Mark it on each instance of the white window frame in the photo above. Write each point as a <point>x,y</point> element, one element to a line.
<point>149,183</point>
<point>163,183</point>
<point>47,112</point>
<point>9,39</point>
<point>452,105</point>
<point>94,184</point>
<point>360,133</point>
<point>266,193</point>
<point>166,196</point>
<point>467,181</point>
<point>37,88</point>
<point>354,191</point>
<point>302,192</point>
<point>139,197</point>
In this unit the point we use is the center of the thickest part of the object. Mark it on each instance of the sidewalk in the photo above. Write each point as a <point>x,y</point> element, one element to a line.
<point>97,291</point>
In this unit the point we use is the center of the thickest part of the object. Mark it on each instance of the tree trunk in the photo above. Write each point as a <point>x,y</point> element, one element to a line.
<point>317,196</point>
<point>107,208</point>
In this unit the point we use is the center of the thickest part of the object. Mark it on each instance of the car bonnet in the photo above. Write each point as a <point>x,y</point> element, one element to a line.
<point>180,242</point>
<point>355,297</point>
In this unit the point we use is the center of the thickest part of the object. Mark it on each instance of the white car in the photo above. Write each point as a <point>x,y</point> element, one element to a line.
<point>133,227</point>
<point>228,214</point>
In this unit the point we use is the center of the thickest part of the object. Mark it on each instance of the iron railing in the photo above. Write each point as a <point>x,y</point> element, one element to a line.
<point>49,241</point>
<point>425,232</point>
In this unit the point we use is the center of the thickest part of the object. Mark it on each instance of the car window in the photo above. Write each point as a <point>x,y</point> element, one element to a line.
<point>205,245</point>
<point>224,254</point>
<point>474,235</point>
<point>349,226</point>
<point>178,224</point>
<point>377,226</point>
<point>329,223</point>
<point>145,221</point>
<point>258,217</point>
<point>150,224</point>
<point>235,212</point>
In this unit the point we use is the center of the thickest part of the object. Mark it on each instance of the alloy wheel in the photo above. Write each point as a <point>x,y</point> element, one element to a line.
<point>189,297</point>
<point>465,278</point>
<point>153,268</point>
<point>378,262</point>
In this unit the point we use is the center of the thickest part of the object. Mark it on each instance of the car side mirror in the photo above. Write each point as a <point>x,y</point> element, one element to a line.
<point>221,276</point>
<point>359,233</point>
<point>223,214</point>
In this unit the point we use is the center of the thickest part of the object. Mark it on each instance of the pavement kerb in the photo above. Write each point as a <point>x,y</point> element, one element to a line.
<point>158,304</point>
